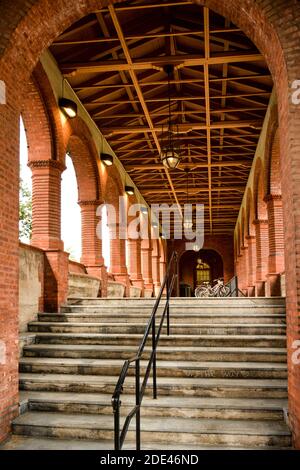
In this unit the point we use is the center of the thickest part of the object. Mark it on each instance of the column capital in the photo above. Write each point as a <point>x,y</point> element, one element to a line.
<point>273,197</point>
<point>46,164</point>
<point>260,222</point>
<point>91,203</point>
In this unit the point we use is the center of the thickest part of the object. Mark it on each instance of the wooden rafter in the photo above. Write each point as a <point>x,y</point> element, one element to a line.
<point>138,90</point>
<point>220,92</point>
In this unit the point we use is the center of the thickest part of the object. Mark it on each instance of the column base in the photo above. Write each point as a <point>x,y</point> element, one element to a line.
<point>55,280</point>
<point>149,289</point>
<point>124,279</point>
<point>156,289</point>
<point>140,284</point>
<point>260,290</point>
<point>251,291</point>
<point>273,285</point>
<point>101,273</point>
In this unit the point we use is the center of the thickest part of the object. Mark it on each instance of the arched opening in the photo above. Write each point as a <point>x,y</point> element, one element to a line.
<point>105,237</point>
<point>70,212</point>
<point>25,198</point>
<point>197,267</point>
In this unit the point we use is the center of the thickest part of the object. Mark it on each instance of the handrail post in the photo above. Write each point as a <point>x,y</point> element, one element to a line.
<point>154,360</point>
<point>116,408</point>
<point>168,307</point>
<point>138,404</point>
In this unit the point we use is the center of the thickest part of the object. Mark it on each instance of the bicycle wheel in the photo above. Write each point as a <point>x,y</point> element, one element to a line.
<point>201,291</point>
<point>224,291</point>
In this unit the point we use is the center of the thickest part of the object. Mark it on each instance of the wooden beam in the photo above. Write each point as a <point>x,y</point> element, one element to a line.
<point>157,63</point>
<point>192,165</point>
<point>138,90</point>
<point>183,81</point>
<point>136,37</point>
<point>149,5</point>
<point>192,191</point>
<point>184,128</point>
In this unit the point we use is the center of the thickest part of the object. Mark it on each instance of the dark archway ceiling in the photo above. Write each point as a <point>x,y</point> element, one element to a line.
<point>114,59</point>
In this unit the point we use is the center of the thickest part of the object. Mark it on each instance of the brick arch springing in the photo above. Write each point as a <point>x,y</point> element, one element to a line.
<point>85,159</point>
<point>259,192</point>
<point>37,124</point>
<point>264,22</point>
<point>274,208</point>
<point>250,214</point>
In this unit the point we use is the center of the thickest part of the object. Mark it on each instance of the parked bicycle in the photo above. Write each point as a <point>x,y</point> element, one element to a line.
<point>218,289</point>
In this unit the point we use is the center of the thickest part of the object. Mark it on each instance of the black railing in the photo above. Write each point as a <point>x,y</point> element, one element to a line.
<point>169,281</point>
<point>234,288</point>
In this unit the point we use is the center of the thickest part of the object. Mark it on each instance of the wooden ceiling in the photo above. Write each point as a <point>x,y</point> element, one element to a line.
<point>220,89</point>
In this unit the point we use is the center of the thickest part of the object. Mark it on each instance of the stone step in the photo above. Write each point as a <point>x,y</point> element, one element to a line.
<point>181,301</point>
<point>177,430</point>
<point>47,443</point>
<point>176,318</point>
<point>181,407</point>
<point>206,329</point>
<point>184,353</point>
<point>104,367</point>
<point>113,310</point>
<point>268,341</point>
<point>167,386</point>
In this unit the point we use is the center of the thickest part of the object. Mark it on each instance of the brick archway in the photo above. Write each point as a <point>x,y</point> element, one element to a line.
<point>30,27</point>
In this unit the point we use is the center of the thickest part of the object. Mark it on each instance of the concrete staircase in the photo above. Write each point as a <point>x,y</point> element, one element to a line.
<point>221,375</point>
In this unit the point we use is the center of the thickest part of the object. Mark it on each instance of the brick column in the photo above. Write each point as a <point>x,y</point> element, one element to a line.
<point>91,255</point>
<point>238,270</point>
<point>262,253</point>
<point>135,264</point>
<point>147,269</point>
<point>251,265</point>
<point>162,270</point>
<point>118,257</point>
<point>156,273</point>
<point>244,270</point>
<point>46,230</point>
<point>46,204</point>
<point>276,243</point>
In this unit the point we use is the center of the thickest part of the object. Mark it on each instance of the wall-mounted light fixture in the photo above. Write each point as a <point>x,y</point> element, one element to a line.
<point>129,190</point>
<point>144,210</point>
<point>154,224</point>
<point>68,107</point>
<point>107,159</point>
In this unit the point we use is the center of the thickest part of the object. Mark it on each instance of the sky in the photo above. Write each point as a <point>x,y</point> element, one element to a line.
<point>70,210</point>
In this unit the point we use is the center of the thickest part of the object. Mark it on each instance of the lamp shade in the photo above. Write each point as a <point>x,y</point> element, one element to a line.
<point>107,159</point>
<point>170,159</point>
<point>69,107</point>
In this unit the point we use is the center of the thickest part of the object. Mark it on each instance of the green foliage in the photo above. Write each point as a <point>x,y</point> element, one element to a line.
<point>25,212</point>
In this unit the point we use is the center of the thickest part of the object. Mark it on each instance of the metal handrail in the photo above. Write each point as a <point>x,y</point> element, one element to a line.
<point>120,435</point>
<point>235,290</point>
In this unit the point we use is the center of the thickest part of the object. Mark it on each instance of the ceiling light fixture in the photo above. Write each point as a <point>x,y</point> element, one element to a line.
<point>107,159</point>
<point>170,148</point>
<point>69,107</point>
<point>129,190</point>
